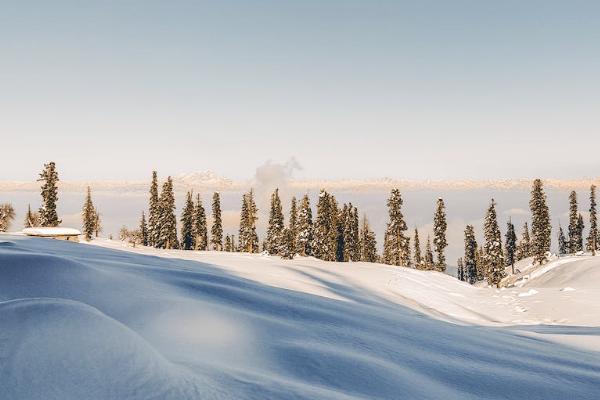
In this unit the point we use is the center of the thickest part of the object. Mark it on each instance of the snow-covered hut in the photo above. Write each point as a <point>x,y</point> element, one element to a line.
<point>60,233</point>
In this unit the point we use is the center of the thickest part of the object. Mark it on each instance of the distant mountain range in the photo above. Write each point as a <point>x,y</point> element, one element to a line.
<point>208,180</point>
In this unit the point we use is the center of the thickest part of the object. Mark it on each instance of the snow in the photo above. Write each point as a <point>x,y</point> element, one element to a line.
<point>103,320</point>
<point>50,231</point>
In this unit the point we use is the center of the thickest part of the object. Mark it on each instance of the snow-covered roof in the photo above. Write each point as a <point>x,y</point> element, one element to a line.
<point>51,231</point>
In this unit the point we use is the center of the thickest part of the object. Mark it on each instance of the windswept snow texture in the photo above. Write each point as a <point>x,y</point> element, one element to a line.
<point>80,321</point>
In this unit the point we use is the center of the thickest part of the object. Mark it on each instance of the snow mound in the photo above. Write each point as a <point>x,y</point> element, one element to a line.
<point>82,321</point>
<point>51,231</point>
<point>54,348</point>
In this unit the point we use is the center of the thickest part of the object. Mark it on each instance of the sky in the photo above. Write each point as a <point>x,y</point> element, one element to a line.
<point>350,89</point>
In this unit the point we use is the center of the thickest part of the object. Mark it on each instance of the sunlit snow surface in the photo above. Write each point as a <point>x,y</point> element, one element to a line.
<point>81,321</point>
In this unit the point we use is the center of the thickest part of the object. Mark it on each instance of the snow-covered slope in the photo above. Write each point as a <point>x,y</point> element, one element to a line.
<point>80,321</point>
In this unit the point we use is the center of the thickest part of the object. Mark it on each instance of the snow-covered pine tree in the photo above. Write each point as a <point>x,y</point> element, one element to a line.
<point>216,230</point>
<point>200,229</point>
<point>97,223</point>
<point>275,238</point>
<point>228,244</point>
<point>417,246</point>
<point>343,254</point>
<point>325,228</point>
<point>153,212</point>
<point>368,245</point>
<point>293,224</point>
<point>304,234</point>
<point>460,270</point>
<point>396,242</point>
<point>592,239</point>
<point>493,256</point>
<point>338,216</point>
<point>47,212</point>
<point>88,215</point>
<point>574,238</point>
<point>287,249</point>
<point>143,230</point>
<point>354,235</point>
<point>7,215</point>
<point>439,235</point>
<point>470,259</point>
<point>248,239</point>
<point>167,237</point>
<point>511,245</point>
<point>524,246</point>
<point>188,239</point>
<point>540,222</point>
<point>480,264</point>
<point>428,263</point>
<point>31,218</point>
<point>580,227</point>
<point>563,247</point>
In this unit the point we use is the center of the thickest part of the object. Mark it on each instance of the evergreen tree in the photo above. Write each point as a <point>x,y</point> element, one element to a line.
<point>167,236</point>
<point>304,234</point>
<point>216,239</point>
<point>228,244</point>
<point>493,258</point>
<point>89,216</point>
<point>429,263</point>
<point>460,270</point>
<point>439,235</point>
<point>540,224</point>
<point>154,212</point>
<point>339,217</point>
<point>480,264</point>
<point>97,223</point>
<point>293,225</point>
<point>524,247</point>
<point>396,242</point>
<point>580,227</point>
<point>562,242</point>
<point>592,239</point>
<point>368,245</point>
<point>511,245</point>
<point>143,230</point>
<point>287,247</point>
<point>574,238</point>
<point>417,245</point>
<point>354,253</point>
<point>275,238</point>
<point>47,212</point>
<point>31,218</point>
<point>324,244</point>
<point>470,259</point>
<point>188,239</point>
<point>200,228</point>
<point>7,215</point>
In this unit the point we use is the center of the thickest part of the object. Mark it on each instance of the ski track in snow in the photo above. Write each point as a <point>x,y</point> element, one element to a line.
<point>92,321</point>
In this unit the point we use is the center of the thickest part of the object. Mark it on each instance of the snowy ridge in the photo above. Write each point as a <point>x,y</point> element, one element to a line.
<point>94,322</point>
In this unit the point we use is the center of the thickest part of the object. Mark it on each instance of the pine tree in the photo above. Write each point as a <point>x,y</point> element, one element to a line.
<point>460,270</point>
<point>511,245</point>
<point>562,242</point>
<point>304,234</point>
<point>188,239</point>
<point>31,218</point>
<point>154,212</point>
<point>228,244</point>
<point>540,224</point>
<point>287,248</point>
<point>354,247</point>
<point>216,239</point>
<point>248,239</point>
<point>47,212</point>
<point>470,259</point>
<point>293,226</point>
<point>368,245</point>
<point>592,239</point>
<point>524,247</point>
<point>417,246</point>
<point>439,235</point>
<point>396,242</point>
<point>97,223</point>
<point>480,264</point>
<point>580,227</point>
<point>7,215</point>
<point>324,244</point>
<point>89,216</point>
<point>275,238</point>
<point>494,259</point>
<point>574,238</point>
<point>200,228</point>
<point>167,236</point>
<point>429,263</point>
<point>339,217</point>
<point>143,230</point>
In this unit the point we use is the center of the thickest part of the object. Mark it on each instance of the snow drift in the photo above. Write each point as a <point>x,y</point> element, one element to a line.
<point>80,321</point>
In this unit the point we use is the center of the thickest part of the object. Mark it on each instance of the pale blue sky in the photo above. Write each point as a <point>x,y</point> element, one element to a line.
<point>356,89</point>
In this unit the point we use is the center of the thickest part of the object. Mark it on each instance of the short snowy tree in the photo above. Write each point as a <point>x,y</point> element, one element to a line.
<point>574,233</point>
<point>493,258</point>
<point>216,230</point>
<point>417,247</point>
<point>592,239</point>
<point>470,258</point>
<point>510,245</point>
<point>49,177</point>
<point>325,236</point>
<point>304,229</point>
<point>32,218</point>
<point>275,227</point>
<point>200,228</point>
<point>154,212</point>
<point>368,244</point>
<point>540,223</point>
<point>563,245</point>
<point>143,230</point>
<point>439,235</point>
<point>460,270</point>
<point>248,239</point>
<point>524,246</point>
<point>88,215</point>
<point>188,239</point>
<point>397,244</point>
<point>7,215</point>
<point>167,236</point>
